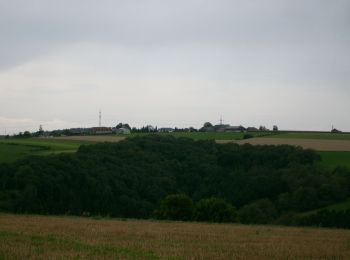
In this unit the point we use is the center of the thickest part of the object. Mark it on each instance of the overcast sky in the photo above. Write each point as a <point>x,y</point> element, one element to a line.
<point>174,63</point>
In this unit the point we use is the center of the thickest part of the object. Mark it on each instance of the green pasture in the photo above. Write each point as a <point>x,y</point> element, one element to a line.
<point>334,159</point>
<point>345,205</point>
<point>13,149</point>
<point>206,135</point>
<point>312,135</point>
<point>340,206</point>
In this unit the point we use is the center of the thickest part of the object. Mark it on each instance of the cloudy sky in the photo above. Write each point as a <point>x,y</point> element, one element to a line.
<point>174,63</point>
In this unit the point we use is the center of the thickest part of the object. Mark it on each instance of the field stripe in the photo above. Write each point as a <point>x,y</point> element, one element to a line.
<point>319,145</point>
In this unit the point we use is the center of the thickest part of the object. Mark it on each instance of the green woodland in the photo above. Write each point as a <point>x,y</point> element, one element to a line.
<point>173,178</point>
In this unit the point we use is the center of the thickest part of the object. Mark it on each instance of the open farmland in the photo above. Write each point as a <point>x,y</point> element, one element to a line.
<point>334,151</point>
<point>16,148</point>
<point>334,159</point>
<point>39,237</point>
<point>192,135</point>
<point>315,144</point>
<point>312,135</point>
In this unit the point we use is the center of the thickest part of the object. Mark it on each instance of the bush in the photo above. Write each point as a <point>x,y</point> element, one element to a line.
<point>259,212</point>
<point>176,207</point>
<point>215,210</point>
<point>247,136</point>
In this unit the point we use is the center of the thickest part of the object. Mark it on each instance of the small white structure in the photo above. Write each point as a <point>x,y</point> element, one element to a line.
<point>122,130</point>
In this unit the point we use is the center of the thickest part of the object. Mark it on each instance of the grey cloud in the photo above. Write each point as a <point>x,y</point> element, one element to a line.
<point>270,45</point>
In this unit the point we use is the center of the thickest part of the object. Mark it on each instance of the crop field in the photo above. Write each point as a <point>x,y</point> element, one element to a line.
<point>192,135</point>
<point>208,135</point>
<point>312,135</point>
<point>315,144</point>
<point>40,237</point>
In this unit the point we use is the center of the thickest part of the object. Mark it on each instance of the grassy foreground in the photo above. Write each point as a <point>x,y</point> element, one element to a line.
<point>33,237</point>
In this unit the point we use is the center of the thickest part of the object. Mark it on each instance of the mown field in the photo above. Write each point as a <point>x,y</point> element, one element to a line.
<point>40,237</point>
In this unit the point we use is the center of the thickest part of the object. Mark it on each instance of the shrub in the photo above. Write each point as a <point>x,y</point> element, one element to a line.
<point>176,207</point>
<point>215,210</point>
<point>259,212</point>
<point>247,136</point>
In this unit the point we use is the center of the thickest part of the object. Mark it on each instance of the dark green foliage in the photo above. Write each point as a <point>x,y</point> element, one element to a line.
<point>215,210</point>
<point>327,218</point>
<point>130,178</point>
<point>247,136</point>
<point>259,212</point>
<point>176,207</point>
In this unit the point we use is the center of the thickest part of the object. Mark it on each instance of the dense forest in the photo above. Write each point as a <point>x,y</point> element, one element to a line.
<point>181,179</point>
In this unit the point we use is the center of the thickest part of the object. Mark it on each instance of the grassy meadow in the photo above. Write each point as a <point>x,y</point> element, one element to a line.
<point>333,159</point>
<point>40,237</point>
<point>16,148</point>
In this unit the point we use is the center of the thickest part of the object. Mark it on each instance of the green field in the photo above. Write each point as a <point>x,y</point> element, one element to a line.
<point>313,135</point>
<point>207,135</point>
<point>13,149</point>
<point>345,205</point>
<point>334,159</point>
<point>340,206</point>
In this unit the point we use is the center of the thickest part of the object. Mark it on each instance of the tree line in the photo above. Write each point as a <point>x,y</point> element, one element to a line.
<point>155,176</point>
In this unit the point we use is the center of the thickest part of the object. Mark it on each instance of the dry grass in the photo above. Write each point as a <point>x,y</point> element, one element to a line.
<point>319,145</point>
<point>33,237</point>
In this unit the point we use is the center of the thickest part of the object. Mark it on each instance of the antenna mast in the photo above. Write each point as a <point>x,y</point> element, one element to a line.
<point>99,118</point>
<point>220,120</point>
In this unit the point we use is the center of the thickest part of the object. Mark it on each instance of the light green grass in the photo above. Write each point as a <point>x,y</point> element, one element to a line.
<point>312,135</point>
<point>334,159</point>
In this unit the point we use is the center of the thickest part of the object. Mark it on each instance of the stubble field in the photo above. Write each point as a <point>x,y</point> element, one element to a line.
<point>40,237</point>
